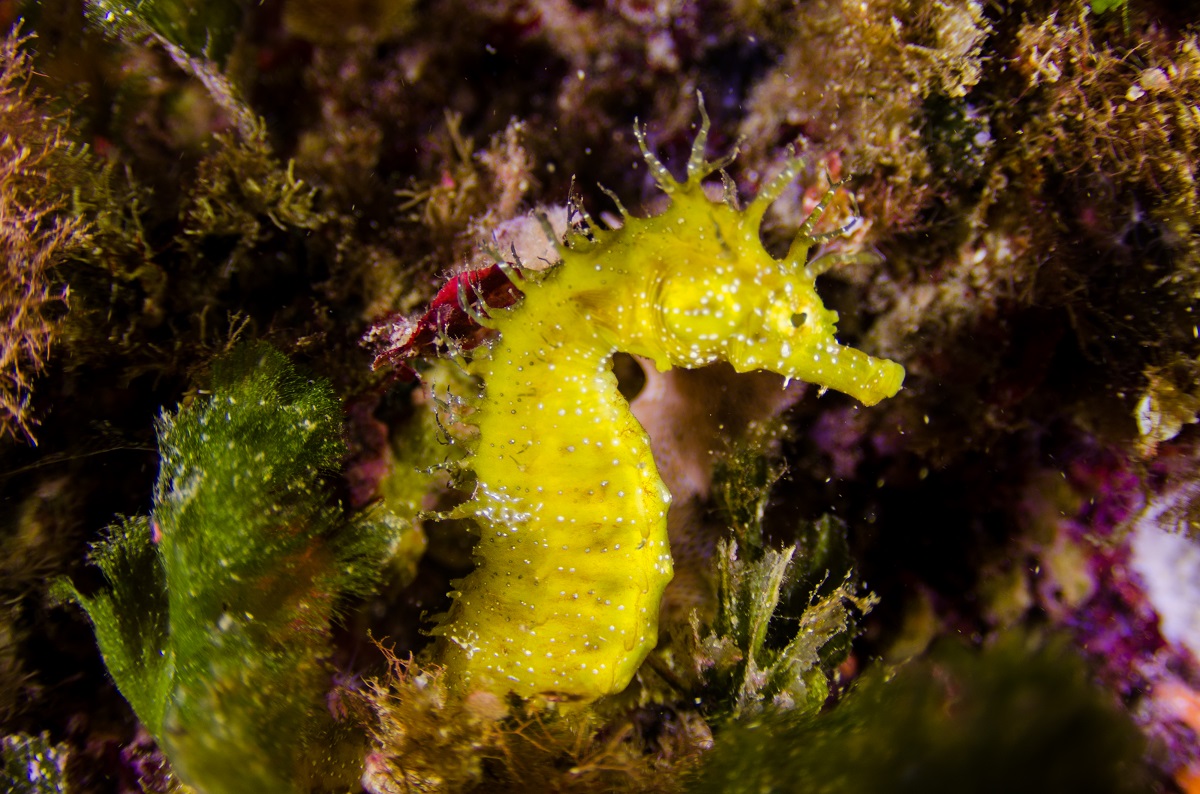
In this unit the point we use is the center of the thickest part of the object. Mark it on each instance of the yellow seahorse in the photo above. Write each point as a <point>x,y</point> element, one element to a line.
<point>572,554</point>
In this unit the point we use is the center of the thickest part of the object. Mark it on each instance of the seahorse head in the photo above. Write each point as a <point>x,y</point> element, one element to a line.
<point>705,289</point>
<point>770,318</point>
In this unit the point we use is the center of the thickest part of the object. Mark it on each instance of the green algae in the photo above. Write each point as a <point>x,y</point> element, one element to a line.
<point>1018,716</point>
<point>216,621</point>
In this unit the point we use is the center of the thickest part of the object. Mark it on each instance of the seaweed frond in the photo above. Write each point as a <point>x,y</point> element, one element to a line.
<point>216,623</point>
<point>739,655</point>
<point>749,658</point>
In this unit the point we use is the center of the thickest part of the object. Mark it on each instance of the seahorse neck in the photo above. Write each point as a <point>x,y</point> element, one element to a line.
<point>571,512</point>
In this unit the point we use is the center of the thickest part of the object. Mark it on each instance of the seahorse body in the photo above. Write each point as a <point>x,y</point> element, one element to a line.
<point>573,555</point>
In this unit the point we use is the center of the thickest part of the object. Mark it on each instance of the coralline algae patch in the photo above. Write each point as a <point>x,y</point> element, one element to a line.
<point>1168,562</point>
<point>573,554</point>
<point>1115,570</point>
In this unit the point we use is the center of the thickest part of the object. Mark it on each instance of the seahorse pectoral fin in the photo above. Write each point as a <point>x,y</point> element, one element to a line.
<point>846,369</point>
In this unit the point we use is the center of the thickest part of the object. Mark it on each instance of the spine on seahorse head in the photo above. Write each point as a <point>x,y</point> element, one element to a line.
<point>572,554</point>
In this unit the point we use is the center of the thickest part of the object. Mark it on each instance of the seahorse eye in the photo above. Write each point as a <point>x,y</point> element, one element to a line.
<point>797,313</point>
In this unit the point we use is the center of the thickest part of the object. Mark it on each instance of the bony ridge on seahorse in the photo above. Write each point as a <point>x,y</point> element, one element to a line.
<point>572,556</point>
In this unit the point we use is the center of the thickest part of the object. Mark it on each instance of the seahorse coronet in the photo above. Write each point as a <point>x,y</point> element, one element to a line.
<point>572,556</point>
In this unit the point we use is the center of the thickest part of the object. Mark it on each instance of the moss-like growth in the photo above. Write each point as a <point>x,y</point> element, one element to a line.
<point>1111,146</point>
<point>872,107</point>
<point>32,765</point>
<point>225,240</point>
<point>428,740</point>
<point>208,29</point>
<point>216,622</point>
<point>240,192</point>
<point>1018,717</point>
<point>35,235</point>
<point>356,22</point>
